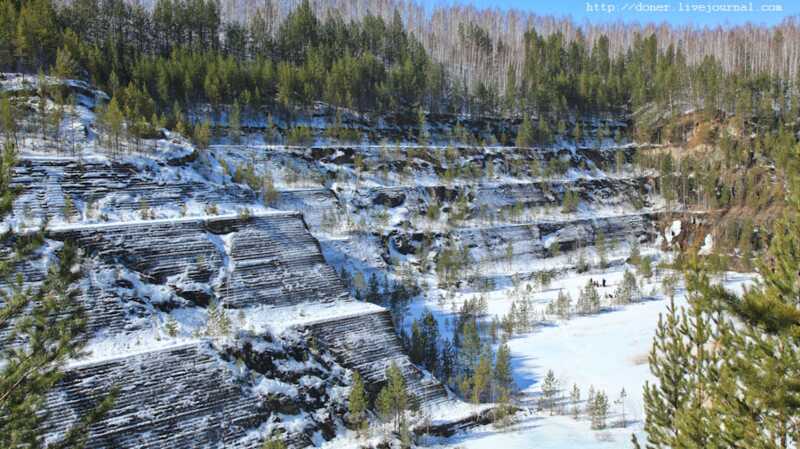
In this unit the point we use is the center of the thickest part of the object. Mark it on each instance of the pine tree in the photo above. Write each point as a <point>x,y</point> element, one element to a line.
<point>415,352</point>
<point>621,402</point>
<point>8,32</point>
<point>8,120</point>
<point>687,368</point>
<point>600,247</point>
<point>218,322</point>
<point>758,398</point>
<point>359,284</point>
<point>36,38</point>
<point>589,299</point>
<point>482,378</point>
<point>235,123</point>
<point>8,160</point>
<point>430,351</point>
<point>40,330</point>
<point>374,294</point>
<point>384,405</point>
<point>570,202</point>
<point>663,401</point>
<point>563,305</point>
<point>646,267</point>
<point>503,379</point>
<point>269,193</point>
<point>406,437</point>
<point>393,399</point>
<point>628,290</point>
<point>549,391</point>
<point>114,120</point>
<point>357,403</point>
<point>274,443</point>
<point>575,399</point>
<point>65,66</point>
<point>202,135</point>
<point>525,133</point>
<point>470,346</point>
<point>635,257</point>
<point>599,411</point>
<point>577,133</point>
<point>171,327</point>
<point>582,266</point>
<point>668,286</point>
<point>590,398</point>
<point>447,361</point>
<point>545,135</point>
<point>422,136</point>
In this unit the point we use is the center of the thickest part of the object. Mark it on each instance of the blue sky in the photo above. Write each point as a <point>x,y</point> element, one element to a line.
<point>581,10</point>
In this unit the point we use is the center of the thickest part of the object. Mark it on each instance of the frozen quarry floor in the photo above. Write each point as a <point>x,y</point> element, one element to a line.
<point>607,351</point>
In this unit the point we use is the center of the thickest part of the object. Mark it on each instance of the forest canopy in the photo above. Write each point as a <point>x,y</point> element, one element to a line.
<point>180,52</point>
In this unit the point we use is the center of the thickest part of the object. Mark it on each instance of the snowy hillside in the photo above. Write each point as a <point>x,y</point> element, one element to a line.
<point>214,317</point>
<point>232,292</point>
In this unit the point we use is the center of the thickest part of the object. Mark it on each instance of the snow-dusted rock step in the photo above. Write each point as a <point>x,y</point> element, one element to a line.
<point>277,261</point>
<point>179,397</point>
<point>401,165</point>
<point>491,244</point>
<point>270,259</point>
<point>428,156</point>
<point>593,193</point>
<point>110,187</point>
<point>313,203</point>
<point>368,344</point>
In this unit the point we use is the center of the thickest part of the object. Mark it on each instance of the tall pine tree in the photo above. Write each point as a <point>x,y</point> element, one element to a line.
<point>39,332</point>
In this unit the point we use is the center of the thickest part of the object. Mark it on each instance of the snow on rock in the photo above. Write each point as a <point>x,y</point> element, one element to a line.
<point>181,396</point>
<point>368,343</point>
<point>268,387</point>
<point>708,246</point>
<point>672,231</point>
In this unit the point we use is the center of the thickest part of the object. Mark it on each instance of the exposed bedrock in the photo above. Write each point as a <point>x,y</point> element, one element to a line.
<point>198,395</point>
<point>596,192</point>
<point>313,203</point>
<point>367,343</point>
<point>179,397</point>
<point>46,183</point>
<point>201,395</point>
<point>533,239</point>
<point>264,260</point>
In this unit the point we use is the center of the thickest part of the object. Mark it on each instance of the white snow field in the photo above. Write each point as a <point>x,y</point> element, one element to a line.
<point>607,351</point>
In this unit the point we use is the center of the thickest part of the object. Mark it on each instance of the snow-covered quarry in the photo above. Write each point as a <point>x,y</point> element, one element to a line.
<point>225,288</point>
<point>606,352</point>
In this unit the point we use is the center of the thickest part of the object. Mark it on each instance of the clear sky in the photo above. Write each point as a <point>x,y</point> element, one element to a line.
<point>680,12</point>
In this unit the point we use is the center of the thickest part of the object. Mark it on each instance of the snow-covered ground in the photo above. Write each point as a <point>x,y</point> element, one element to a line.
<point>607,351</point>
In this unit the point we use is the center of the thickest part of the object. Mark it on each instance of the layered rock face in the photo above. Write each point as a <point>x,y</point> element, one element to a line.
<point>508,211</point>
<point>239,261</point>
<point>177,397</point>
<point>265,270</point>
<point>212,280</point>
<point>360,344</point>
<point>101,190</point>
